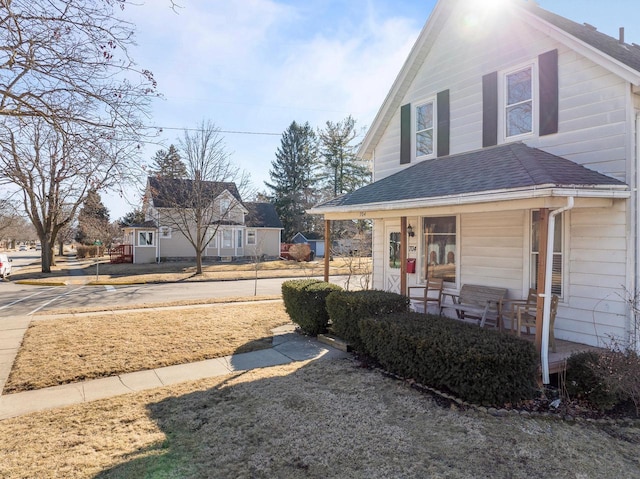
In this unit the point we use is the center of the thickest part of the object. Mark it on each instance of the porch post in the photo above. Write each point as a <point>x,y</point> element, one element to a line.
<point>403,255</point>
<point>327,248</point>
<point>542,272</point>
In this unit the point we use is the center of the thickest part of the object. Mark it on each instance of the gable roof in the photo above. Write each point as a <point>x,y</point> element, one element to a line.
<point>262,215</point>
<point>176,192</point>
<point>504,168</point>
<point>596,45</point>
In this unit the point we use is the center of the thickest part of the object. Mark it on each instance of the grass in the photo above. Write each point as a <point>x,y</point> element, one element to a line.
<point>60,351</point>
<point>323,419</point>
<point>172,271</point>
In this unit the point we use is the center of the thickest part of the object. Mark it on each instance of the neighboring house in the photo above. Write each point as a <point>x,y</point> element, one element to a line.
<point>240,229</point>
<point>501,124</point>
<point>314,240</point>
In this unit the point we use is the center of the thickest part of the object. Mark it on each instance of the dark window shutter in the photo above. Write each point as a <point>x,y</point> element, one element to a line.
<point>490,109</point>
<point>548,80</point>
<point>405,134</point>
<point>443,113</point>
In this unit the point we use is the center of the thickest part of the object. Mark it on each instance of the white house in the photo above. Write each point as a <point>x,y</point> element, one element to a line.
<point>502,123</point>
<point>237,229</point>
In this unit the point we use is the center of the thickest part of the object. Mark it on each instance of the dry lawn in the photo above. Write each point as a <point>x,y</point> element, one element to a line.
<point>324,419</point>
<point>59,351</point>
<point>185,271</point>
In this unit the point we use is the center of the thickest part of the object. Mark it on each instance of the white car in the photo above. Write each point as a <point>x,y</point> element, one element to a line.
<point>22,247</point>
<point>5,266</point>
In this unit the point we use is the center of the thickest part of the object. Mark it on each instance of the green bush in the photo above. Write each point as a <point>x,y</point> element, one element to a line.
<point>584,381</point>
<point>305,303</point>
<point>478,365</point>
<point>347,308</point>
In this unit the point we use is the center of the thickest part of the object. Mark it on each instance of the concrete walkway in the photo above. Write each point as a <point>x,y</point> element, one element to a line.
<point>288,346</point>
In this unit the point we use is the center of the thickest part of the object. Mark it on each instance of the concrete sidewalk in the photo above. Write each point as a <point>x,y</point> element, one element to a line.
<point>288,346</point>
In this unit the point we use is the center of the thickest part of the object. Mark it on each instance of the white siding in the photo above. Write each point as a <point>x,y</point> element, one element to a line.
<point>492,250</point>
<point>593,308</point>
<point>592,117</point>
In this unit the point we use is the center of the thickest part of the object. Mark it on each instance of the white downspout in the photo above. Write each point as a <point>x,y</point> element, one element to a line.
<point>546,311</point>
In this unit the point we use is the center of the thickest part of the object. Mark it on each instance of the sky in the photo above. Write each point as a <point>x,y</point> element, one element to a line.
<point>254,66</point>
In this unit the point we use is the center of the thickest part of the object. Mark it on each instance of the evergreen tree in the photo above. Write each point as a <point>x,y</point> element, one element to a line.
<point>168,164</point>
<point>93,220</point>
<point>293,179</point>
<point>342,171</point>
<point>134,217</point>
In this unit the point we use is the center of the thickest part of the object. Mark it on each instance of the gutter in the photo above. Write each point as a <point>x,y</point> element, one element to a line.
<point>546,311</point>
<point>540,191</point>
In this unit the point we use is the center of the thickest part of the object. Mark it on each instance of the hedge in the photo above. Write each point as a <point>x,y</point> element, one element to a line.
<point>305,303</point>
<point>478,365</point>
<point>347,308</point>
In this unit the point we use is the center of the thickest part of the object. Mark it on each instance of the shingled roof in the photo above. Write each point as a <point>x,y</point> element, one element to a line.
<point>262,215</point>
<point>501,168</point>
<point>177,192</point>
<point>623,52</point>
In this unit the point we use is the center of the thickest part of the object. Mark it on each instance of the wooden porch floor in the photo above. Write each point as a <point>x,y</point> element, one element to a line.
<point>564,349</point>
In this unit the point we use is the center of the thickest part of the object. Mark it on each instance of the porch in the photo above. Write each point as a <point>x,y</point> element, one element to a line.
<point>121,254</point>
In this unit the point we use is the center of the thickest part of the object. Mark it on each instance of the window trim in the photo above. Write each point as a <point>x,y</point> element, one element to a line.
<point>434,129</point>
<point>164,232</point>
<point>252,233</point>
<point>503,98</point>
<point>422,252</point>
<point>146,243</point>
<point>564,242</point>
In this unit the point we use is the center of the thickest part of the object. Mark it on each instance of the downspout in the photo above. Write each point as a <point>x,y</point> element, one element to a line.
<point>158,241</point>
<point>546,311</point>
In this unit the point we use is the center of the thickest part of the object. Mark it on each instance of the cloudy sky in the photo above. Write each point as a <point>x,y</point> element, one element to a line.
<point>254,66</point>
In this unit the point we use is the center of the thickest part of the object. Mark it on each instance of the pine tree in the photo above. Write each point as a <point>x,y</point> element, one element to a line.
<point>93,220</point>
<point>293,179</point>
<point>168,164</point>
<point>342,171</point>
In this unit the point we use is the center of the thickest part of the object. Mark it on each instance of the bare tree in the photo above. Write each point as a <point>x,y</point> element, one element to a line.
<point>210,199</point>
<point>54,171</point>
<point>72,103</point>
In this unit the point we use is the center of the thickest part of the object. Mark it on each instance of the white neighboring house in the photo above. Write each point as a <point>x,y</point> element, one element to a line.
<point>494,128</point>
<point>240,229</point>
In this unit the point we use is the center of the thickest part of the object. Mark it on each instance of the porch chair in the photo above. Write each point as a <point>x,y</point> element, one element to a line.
<point>524,306</point>
<point>526,317</point>
<point>429,293</point>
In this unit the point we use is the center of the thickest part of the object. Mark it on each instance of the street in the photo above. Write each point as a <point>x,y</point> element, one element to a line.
<point>16,299</point>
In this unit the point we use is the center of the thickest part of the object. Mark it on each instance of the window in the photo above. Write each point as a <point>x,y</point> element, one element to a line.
<point>225,205</point>
<point>394,250</point>
<point>227,239</point>
<point>239,238</point>
<point>519,102</point>
<point>165,232</point>
<point>424,129</point>
<point>556,269</point>
<point>439,248</point>
<point>145,238</point>
<point>251,237</point>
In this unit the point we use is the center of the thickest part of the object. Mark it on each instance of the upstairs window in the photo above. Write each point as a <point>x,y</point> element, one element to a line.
<point>424,129</point>
<point>518,116</point>
<point>225,206</point>
<point>165,232</point>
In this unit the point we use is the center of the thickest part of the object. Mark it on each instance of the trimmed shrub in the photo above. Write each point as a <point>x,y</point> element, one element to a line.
<point>87,251</point>
<point>584,381</point>
<point>347,308</point>
<point>305,303</point>
<point>478,365</point>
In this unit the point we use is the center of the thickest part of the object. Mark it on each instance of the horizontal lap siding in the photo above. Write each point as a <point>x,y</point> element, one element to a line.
<point>593,308</point>
<point>491,250</point>
<point>379,244</point>
<point>592,116</point>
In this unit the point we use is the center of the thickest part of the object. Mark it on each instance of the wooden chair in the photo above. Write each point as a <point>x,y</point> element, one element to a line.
<point>526,316</point>
<point>429,293</point>
<point>522,306</point>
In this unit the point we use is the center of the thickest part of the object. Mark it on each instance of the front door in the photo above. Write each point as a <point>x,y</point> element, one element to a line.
<point>392,259</point>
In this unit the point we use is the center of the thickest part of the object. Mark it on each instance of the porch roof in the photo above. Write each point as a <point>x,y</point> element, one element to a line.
<point>502,171</point>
